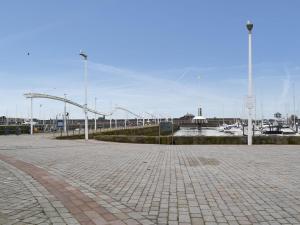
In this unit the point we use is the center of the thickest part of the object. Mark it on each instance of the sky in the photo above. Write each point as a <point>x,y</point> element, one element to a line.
<point>164,57</point>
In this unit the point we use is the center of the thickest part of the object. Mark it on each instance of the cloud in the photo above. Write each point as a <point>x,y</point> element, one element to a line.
<point>153,91</point>
<point>168,92</point>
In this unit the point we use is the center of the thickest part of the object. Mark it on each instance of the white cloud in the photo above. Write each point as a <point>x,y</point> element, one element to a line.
<point>168,92</point>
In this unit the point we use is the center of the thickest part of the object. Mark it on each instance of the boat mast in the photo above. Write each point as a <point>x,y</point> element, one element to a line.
<point>262,114</point>
<point>223,113</point>
<point>294,105</point>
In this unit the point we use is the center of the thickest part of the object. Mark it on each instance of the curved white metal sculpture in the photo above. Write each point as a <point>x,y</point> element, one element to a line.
<point>39,95</point>
<point>126,110</point>
<point>156,119</point>
<point>65,100</point>
<point>132,113</point>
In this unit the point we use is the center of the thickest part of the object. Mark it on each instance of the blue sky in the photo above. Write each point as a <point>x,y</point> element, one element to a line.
<point>164,57</point>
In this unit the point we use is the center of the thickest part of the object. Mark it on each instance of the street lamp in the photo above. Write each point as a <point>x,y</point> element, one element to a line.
<point>95,114</point>
<point>65,114</point>
<point>250,102</point>
<point>31,116</point>
<point>84,56</point>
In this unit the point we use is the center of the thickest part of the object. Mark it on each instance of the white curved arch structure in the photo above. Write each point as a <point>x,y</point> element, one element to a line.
<point>65,100</point>
<point>39,95</point>
<point>152,115</point>
<point>126,110</point>
<point>134,114</point>
<point>156,119</point>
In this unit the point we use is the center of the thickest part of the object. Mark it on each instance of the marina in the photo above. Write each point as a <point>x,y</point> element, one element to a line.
<point>150,112</point>
<point>234,130</point>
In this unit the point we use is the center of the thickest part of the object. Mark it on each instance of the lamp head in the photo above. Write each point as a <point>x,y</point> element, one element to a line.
<point>81,53</point>
<point>249,26</point>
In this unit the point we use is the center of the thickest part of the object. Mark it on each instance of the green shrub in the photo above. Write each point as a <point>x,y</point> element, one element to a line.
<point>14,129</point>
<point>279,140</point>
<point>127,139</point>
<point>149,131</point>
<point>148,135</point>
<point>140,131</point>
<point>209,140</point>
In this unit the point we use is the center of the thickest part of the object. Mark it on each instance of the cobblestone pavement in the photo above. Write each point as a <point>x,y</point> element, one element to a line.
<point>111,183</point>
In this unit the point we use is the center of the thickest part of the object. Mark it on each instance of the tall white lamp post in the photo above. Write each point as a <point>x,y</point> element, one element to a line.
<point>95,114</point>
<point>250,102</point>
<point>84,56</point>
<point>31,116</point>
<point>65,114</point>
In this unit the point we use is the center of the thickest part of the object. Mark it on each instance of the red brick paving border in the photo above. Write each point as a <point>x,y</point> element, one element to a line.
<point>83,208</point>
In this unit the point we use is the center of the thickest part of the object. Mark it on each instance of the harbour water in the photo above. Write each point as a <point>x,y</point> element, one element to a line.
<point>212,131</point>
<point>189,131</point>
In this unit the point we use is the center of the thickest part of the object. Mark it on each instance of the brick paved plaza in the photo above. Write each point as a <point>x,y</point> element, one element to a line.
<point>46,181</point>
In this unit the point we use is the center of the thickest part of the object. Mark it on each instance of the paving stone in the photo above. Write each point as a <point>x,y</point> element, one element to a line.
<point>148,184</point>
